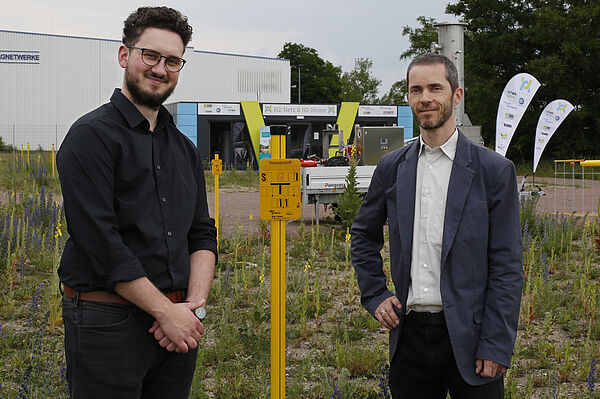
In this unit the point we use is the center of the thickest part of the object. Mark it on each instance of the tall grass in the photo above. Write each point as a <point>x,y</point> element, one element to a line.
<point>334,349</point>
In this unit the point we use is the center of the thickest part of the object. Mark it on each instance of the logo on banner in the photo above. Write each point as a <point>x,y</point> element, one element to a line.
<point>561,107</point>
<point>508,125</point>
<point>509,116</point>
<point>521,101</point>
<point>526,85</point>
<point>268,108</point>
<point>504,135</point>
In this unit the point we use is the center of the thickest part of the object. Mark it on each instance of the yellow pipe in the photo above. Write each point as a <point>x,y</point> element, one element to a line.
<point>591,162</point>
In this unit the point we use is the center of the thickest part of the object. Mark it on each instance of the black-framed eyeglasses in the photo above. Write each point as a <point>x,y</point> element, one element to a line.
<point>152,57</point>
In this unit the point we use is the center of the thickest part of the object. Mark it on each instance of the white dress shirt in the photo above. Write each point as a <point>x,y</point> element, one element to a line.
<point>434,166</point>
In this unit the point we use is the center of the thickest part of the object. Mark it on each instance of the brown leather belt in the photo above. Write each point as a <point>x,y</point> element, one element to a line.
<point>109,297</point>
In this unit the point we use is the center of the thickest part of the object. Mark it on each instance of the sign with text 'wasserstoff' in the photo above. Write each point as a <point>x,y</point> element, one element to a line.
<point>280,189</point>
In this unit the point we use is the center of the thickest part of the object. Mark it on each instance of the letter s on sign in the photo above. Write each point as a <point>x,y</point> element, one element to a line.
<point>263,176</point>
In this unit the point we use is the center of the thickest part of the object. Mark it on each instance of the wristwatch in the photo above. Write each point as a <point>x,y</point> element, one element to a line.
<point>200,313</point>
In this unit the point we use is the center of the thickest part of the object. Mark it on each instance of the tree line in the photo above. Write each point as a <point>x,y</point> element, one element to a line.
<point>557,41</point>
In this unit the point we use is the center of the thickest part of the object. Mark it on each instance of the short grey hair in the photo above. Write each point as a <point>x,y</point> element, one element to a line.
<point>433,59</point>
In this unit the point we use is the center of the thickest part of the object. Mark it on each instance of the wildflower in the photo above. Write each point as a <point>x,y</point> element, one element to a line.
<point>592,375</point>
<point>384,392</point>
<point>347,235</point>
<point>262,279</point>
<point>545,266</point>
<point>251,217</point>
<point>306,267</point>
<point>58,231</point>
<point>337,394</point>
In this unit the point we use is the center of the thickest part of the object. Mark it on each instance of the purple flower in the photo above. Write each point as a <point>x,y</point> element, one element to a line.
<point>592,375</point>
<point>337,394</point>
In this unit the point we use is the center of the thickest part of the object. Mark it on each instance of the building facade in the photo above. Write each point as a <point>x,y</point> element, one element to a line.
<point>48,81</point>
<point>232,130</point>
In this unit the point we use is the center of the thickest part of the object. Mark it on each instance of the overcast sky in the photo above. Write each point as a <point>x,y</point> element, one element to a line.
<point>340,30</point>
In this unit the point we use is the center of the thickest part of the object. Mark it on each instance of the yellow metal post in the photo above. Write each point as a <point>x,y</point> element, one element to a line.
<point>217,169</point>
<point>27,155</point>
<point>280,195</point>
<point>21,155</point>
<point>278,137</point>
<point>217,201</point>
<point>52,161</point>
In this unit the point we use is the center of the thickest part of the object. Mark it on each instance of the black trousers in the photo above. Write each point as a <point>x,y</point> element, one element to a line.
<point>111,354</point>
<point>424,367</point>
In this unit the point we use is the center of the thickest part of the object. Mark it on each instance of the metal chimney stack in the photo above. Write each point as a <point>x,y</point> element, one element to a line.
<point>451,43</point>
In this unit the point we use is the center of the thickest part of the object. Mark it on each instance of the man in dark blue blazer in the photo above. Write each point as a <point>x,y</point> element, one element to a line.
<point>452,208</point>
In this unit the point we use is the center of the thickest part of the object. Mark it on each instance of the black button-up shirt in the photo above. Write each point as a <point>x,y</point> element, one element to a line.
<point>135,200</point>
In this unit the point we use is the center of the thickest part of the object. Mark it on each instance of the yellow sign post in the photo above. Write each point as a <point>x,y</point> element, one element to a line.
<point>279,201</point>
<point>217,169</point>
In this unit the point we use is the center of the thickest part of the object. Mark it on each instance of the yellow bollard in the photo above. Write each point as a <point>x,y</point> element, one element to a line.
<point>217,169</point>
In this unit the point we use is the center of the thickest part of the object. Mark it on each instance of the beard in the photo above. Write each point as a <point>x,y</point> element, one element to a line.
<point>140,97</point>
<point>445,110</point>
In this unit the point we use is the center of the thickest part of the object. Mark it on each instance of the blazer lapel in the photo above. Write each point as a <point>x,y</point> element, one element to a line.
<point>405,197</point>
<point>458,188</point>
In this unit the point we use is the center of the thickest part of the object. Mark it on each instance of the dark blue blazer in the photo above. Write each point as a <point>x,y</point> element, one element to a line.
<point>482,253</point>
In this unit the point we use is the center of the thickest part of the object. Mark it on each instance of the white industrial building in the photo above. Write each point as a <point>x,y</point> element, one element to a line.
<point>48,81</point>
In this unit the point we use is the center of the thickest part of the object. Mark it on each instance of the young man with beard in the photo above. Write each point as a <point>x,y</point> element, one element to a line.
<point>142,248</point>
<point>455,246</point>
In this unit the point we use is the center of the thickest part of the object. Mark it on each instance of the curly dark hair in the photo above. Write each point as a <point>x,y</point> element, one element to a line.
<point>155,17</point>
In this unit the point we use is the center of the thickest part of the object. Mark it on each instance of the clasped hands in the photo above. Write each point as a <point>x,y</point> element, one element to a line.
<point>389,319</point>
<point>179,329</point>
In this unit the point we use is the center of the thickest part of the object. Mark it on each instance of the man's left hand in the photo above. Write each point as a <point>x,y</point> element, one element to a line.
<point>488,368</point>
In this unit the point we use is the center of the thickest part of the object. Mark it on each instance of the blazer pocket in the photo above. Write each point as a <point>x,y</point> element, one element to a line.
<point>477,314</point>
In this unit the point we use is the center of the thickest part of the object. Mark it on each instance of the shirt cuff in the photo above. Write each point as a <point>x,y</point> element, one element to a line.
<point>129,270</point>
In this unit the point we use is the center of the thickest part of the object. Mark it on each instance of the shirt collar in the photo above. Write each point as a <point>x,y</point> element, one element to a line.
<point>133,116</point>
<point>448,148</point>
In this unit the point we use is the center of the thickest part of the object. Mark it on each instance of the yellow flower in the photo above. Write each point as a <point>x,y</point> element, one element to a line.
<point>347,235</point>
<point>306,267</point>
<point>251,217</point>
<point>262,279</point>
<point>58,231</point>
